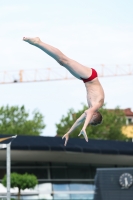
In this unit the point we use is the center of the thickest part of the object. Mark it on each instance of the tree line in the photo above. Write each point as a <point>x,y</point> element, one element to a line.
<point>17,120</point>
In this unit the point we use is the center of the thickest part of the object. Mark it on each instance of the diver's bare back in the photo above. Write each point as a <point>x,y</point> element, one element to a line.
<point>95,93</point>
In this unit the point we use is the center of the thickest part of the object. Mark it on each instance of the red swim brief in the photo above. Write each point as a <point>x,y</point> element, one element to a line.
<point>93,75</point>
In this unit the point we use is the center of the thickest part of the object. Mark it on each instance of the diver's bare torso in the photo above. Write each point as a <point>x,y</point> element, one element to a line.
<point>95,93</point>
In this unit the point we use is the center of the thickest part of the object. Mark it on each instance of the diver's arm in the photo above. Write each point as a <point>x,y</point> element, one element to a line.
<point>79,121</point>
<point>89,113</point>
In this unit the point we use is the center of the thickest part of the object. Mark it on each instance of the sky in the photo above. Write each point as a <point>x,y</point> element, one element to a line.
<point>91,32</point>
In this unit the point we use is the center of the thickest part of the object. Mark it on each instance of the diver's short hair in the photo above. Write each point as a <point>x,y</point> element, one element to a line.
<point>98,119</point>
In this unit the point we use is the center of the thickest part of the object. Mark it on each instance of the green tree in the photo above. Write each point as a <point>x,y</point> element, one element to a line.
<point>109,129</point>
<point>15,120</point>
<point>21,181</point>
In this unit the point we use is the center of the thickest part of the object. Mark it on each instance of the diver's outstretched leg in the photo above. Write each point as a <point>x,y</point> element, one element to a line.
<point>75,68</point>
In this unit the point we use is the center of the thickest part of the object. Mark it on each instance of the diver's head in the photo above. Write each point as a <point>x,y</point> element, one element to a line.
<point>96,118</point>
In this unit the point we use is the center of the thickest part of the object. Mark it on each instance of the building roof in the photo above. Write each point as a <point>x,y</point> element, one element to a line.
<point>52,149</point>
<point>127,111</point>
<point>42,143</point>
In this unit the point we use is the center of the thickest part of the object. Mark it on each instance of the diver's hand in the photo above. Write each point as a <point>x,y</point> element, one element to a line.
<point>66,136</point>
<point>83,132</point>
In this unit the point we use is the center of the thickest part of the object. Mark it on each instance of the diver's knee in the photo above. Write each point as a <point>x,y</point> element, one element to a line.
<point>63,60</point>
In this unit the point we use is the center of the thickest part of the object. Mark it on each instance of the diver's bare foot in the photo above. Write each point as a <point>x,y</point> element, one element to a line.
<point>33,41</point>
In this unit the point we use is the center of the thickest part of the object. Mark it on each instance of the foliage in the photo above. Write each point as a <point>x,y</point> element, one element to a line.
<point>21,181</point>
<point>15,120</point>
<point>109,129</point>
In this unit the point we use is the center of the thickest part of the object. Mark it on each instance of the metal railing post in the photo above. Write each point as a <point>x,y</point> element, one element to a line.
<point>8,168</point>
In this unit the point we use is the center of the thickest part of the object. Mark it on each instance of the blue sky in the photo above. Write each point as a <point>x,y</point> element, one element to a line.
<point>91,32</point>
